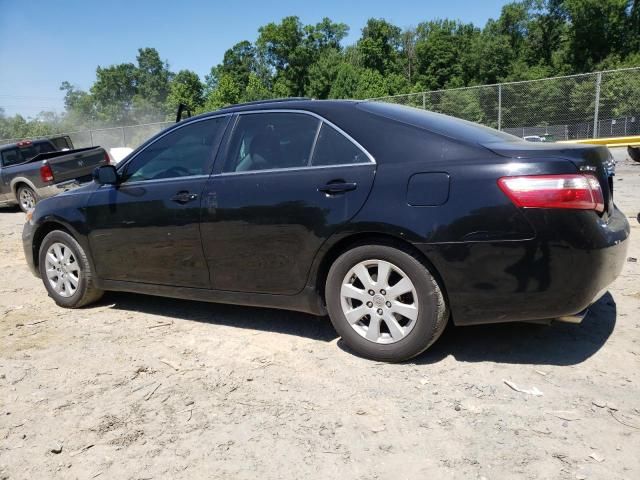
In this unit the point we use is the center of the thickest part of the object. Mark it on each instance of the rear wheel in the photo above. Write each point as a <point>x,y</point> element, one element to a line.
<point>27,198</point>
<point>384,303</point>
<point>66,271</point>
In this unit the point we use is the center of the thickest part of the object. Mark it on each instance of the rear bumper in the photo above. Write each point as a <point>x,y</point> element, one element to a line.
<point>557,274</point>
<point>47,191</point>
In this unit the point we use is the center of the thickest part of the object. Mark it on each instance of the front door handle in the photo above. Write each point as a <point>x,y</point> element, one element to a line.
<point>184,197</point>
<point>334,188</point>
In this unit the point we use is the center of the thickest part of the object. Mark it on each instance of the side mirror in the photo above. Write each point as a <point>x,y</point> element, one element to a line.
<point>106,175</point>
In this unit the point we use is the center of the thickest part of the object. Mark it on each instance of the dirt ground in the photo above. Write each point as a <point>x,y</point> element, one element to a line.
<point>139,387</point>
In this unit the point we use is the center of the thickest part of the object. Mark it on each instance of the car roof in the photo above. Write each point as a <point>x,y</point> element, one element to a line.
<point>296,103</point>
<point>347,112</point>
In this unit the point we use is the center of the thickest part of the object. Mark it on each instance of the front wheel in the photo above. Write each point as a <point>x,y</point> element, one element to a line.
<point>384,303</point>
<point>26,197</point>
<point>66,271</point>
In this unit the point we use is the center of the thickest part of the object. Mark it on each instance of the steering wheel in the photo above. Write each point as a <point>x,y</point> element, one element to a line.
<point>177,171</point>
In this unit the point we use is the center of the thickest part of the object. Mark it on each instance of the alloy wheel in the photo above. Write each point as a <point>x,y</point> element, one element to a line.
<point>379,301</point>
<point>27,199</point>
<point>63,270</point>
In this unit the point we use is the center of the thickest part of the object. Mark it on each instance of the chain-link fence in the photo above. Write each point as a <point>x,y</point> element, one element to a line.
<point>129,136</point>
<point>600,104</point>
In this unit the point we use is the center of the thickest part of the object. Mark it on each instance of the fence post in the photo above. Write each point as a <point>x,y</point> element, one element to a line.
<point>500,106</point>
<point>424,100</point>
<point>124,138</point>
<point>91,136</point>
<point>596,111</point>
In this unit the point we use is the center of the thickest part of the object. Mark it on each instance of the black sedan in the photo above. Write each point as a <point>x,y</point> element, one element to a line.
<point>390,219</point>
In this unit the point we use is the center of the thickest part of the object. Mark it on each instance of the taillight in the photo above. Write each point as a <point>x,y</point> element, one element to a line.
<point>107,159</point>
<point>46,174</point>
<point>573,191</point>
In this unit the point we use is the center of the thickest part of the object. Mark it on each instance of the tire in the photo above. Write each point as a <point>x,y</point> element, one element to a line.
<point>26,197</point>
<point>398,340</point>
<point>70,283</point>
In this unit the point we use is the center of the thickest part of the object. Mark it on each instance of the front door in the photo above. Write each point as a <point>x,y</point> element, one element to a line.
<point>146,229</point>
<point>285,183</point>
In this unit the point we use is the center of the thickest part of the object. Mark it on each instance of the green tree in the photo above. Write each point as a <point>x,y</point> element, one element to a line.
<point>323,73</point>
<point>227,92</point>
<point>256,89</point>
<point>290,48</point>
<point>185,88</point>
<point>152,78</point>
<point>595,30</point>
<point>239,62</point>
<point>380,46</point>
<point>113,93</point>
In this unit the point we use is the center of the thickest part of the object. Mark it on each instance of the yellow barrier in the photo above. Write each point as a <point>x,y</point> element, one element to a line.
<point>609,142</point>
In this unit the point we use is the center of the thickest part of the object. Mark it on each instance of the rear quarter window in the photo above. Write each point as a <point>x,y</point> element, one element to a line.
<point>333,148</point>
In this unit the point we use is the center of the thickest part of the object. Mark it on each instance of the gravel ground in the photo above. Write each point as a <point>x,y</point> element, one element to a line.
<point>142,387</point>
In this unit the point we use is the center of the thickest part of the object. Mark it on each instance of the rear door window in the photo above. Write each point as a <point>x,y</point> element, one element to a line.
<point>266,141</point>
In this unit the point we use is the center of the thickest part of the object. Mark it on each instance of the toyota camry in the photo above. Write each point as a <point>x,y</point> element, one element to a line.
<point>390,219</point>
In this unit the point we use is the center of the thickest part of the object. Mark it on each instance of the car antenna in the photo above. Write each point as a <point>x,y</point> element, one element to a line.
<point>182,108</point>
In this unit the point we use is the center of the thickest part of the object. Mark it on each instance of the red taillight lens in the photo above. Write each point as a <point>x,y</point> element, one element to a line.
<point>46,174</point>
<point>107,158</point>
<point>573,191</point>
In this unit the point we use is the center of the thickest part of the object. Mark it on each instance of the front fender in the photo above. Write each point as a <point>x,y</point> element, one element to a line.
<point>63,212</point>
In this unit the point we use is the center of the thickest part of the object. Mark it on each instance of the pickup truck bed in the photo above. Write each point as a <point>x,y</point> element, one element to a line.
<point>46,174</point>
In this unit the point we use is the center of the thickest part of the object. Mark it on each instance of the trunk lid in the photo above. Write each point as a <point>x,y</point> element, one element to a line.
<point>591,159</point>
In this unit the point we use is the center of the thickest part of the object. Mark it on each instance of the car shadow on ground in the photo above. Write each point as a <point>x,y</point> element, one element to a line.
<point>9,209</point>
<point>525,343</point>
<point>555,344</point>
<point>270,320</point>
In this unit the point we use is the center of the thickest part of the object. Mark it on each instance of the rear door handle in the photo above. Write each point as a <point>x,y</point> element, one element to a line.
<point>184,197</point>
<point>337,187</point>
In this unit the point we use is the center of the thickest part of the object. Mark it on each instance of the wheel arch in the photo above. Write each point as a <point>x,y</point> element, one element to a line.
<point>43,230</point>
<point>371,238</point>
<point>17,182</point>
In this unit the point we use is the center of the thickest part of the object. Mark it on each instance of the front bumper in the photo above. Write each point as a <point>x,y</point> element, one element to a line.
<point>28,232</point>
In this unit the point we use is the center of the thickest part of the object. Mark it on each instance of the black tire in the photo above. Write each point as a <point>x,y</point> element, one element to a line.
<point>86,292</point>
<point>26,190</point>
<point>432,315</point>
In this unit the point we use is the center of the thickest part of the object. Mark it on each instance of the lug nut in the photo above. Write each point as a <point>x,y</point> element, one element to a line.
<point>372,293</point>
<point>369,304</point>
<point>380,311</point>
<point>383,292</point>
<point>389,304</point>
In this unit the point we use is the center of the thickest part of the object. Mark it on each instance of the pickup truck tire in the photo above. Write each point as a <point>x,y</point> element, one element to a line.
<point>26,198</point>
<point>66,271</point>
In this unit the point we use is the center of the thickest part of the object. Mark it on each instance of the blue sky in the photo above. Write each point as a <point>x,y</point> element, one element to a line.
<point>44,42</point>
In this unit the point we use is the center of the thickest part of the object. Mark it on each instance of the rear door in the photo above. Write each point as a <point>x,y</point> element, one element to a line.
<point>146,229</point>
<point>286,181</point>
